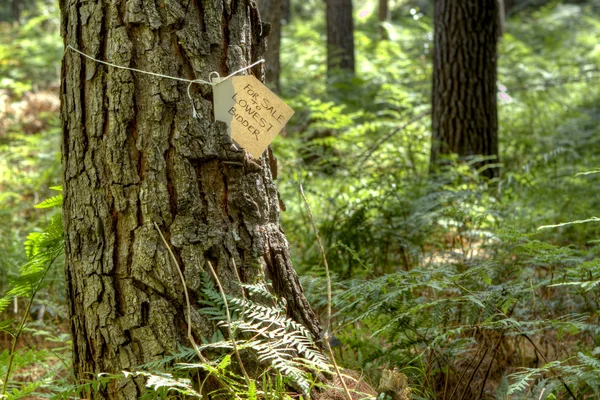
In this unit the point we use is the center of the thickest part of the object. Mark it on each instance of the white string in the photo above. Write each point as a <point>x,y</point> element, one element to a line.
<point>213,82</point>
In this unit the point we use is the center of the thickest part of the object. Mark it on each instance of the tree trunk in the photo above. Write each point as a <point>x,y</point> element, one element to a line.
<point>271,11</point>
<point>508,5</point>
<point>501,17</point>
<point>464,115</point>
<point>134,156</point>
<point>286,13</point>
<point>384,16</point>
<point>17,7</point>
<point>340,36</point>
<point>515,6</point>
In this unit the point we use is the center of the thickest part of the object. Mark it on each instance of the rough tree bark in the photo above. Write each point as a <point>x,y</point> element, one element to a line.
<point>340,36</point>
<point>133,156</point>
<point>464,115</point>
<point>271,11</point>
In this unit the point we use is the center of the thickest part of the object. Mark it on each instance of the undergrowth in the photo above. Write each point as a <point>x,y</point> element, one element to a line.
<point>447,278</point>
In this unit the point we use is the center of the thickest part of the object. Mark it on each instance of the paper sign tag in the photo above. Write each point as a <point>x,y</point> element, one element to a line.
<point>254,115</point>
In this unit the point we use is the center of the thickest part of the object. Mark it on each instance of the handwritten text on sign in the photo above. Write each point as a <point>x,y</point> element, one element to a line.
<point>254,115</point>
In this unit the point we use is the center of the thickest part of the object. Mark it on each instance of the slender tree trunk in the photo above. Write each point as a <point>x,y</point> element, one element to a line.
<point>384,11</point>
<point>134,156</point>
<point>340,36</point>
<point>17,7</point>
<point>271,11</point>
<point>514,6</point>
<point>501,17</point>
<point>508,5</point>
<point>464,117</point>
<point>286,13</point>
<point>384,16</point>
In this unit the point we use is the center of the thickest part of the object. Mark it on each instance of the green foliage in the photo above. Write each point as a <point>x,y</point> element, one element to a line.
<point>42,250</point>
<point>287,346</point>
<point>52,202</point>
<point>262,333</point>
<point>30,53</point>
<point>446,277</point>
<point>163,383</point>
<point>30,164</point>
<point>31,281</point>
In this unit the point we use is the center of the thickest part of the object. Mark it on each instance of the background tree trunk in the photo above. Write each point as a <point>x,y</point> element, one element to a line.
<point>515,6</point>
<point>271,11</point>
<point>465,119</point>
<point>340,36</point>
<point>384,16</point>
<point>133,156</point>
<point>286,13</point>
<point>501,18</point>
<point>508,5</point>
<point>17,7</point>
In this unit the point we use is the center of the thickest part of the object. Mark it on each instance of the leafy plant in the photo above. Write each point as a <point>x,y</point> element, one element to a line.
<point>277,340</point>
<point>42,250</point>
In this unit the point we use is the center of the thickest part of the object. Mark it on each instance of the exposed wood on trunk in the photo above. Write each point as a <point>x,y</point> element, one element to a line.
<point>465,119</point>
<point>133,156</point>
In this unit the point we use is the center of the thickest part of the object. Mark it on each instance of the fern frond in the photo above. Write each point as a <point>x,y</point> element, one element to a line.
<point>182,354</point>
<point>589,361</point>
<point>52,202</point>
<point>287,346</point>
<point>163,383</point>
<point>4,303</point>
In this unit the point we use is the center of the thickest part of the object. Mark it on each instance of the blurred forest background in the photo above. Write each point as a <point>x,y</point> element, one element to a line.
<point>472,287</point>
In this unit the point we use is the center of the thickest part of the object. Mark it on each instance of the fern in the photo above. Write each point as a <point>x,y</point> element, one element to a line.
<point>41,249</point>
<point>163,383</point>
<point>277,340</point>
<point>182,355</point>
<point>52,202</point>
<point>234,384</point>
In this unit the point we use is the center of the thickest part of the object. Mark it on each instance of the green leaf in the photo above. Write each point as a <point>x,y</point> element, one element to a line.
<point>52,202</point>
<point>225,362</point>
